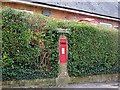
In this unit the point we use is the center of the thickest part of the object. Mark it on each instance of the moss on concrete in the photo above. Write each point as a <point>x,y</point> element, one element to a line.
<point>95,78</point>
<point>52,82</point>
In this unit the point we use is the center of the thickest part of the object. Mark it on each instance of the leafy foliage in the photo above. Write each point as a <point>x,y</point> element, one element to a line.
<point>94,50</point>
<point>17,49</point>
<point>30,47</point>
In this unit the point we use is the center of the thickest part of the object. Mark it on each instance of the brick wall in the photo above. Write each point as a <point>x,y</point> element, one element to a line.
<point>61,15</point>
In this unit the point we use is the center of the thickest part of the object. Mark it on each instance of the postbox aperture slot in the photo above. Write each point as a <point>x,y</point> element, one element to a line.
<point>63,43</point>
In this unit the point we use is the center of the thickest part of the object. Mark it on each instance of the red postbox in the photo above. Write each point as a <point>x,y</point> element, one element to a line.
<point>63,49</point>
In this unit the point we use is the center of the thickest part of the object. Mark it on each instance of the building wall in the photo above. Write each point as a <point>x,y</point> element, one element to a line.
<point>61,15</point>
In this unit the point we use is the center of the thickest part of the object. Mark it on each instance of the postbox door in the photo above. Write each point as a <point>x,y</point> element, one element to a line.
<point>63,57</point>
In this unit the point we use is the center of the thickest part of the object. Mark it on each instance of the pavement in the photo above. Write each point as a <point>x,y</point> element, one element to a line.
<point>113,85</point>
<point>83,86</point>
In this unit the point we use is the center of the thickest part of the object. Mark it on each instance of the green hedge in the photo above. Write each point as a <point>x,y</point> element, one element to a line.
<point>92,49</point>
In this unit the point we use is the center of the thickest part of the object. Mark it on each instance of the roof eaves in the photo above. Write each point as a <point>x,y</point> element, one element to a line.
<point>67,9</point>
<point>75,9</point>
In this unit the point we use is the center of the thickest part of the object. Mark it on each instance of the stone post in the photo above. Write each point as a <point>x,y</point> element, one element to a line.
<point>63,77</point>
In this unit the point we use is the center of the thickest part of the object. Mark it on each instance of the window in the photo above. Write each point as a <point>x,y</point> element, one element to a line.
<point>106,24</point>
<point>26,11</point>
<point>117,27</point>
<point>46,12</point>
<point>31,12</point>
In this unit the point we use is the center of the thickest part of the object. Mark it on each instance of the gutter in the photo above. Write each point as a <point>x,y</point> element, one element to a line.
<point>66,9</point>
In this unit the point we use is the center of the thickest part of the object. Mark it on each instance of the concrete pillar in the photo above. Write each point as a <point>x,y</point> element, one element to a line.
<point>63,77</point>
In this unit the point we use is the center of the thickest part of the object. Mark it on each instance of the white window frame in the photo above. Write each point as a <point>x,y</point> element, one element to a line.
<point>106,24</point>
<point>26,11</point>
